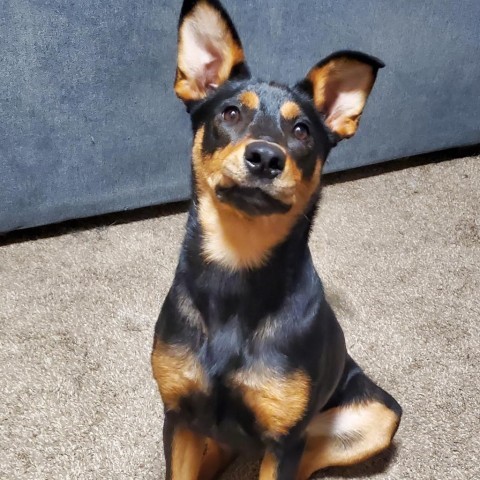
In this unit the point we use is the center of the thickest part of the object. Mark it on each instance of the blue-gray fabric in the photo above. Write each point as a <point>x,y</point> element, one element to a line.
<point>89,123</point>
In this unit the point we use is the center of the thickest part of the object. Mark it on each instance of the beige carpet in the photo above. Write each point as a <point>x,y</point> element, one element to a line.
<point>399,253</point>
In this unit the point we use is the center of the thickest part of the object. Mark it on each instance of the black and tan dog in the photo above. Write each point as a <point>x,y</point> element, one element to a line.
<point>247,352</point>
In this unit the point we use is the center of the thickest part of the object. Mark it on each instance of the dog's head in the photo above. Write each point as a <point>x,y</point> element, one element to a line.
<point>259,147</point>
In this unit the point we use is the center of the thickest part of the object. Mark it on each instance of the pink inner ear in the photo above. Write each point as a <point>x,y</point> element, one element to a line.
<point>345,99</point>
<point>206,66</point>
<point>331,96</point>
<point>200,58</point>
<point>212,68</point>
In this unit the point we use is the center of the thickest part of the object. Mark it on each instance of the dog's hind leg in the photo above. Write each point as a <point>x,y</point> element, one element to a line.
<point>359,422</point>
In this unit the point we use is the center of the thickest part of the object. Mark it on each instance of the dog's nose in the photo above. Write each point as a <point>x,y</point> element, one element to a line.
<point>264,159</point>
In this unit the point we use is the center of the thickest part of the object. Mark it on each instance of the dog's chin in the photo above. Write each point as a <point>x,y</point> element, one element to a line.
<point>251,200</point>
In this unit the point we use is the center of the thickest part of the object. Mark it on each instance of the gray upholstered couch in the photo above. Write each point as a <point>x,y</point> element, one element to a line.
<point>89,123</point>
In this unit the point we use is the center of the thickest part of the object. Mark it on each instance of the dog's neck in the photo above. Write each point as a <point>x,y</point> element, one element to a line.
<point>236,241</point>
<point>256,292</point>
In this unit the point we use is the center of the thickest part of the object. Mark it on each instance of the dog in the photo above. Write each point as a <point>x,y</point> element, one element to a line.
<point>247,352</point>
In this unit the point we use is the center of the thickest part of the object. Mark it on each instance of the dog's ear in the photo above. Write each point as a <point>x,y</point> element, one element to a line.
<point>209,50</point>
<point>340,85</point>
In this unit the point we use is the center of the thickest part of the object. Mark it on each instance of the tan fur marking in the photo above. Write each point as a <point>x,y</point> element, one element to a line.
<point>197,150</point>
<point>184,89</point>
<point>224,167</point>
<point>250,100</point>
<point>238,241</point>
<point>290,110</point>
<point>197,458</point>
<point>269,467</point>
<point>347,435</point>
<point>215,460</point>
<point>207,19</point>
<point>341,89</point>
<point>187,454</point>
<point>277,401</point>
<point>177,372</point>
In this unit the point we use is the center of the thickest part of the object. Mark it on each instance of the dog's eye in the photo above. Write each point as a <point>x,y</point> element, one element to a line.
<point>301,131</point>
<point>231,115</point>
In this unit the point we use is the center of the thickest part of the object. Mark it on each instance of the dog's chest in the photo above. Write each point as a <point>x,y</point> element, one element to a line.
<point>222,388</point>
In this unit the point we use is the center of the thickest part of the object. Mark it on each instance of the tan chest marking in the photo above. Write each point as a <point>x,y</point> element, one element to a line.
<point>277,401</point>
<point>178,373</point>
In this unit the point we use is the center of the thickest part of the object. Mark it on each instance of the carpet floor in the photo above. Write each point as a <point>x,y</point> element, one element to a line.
<point>399,253</point>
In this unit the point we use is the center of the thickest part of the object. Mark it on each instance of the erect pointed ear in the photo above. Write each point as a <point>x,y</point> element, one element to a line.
<point>209,50</point>
<point>340,85</point>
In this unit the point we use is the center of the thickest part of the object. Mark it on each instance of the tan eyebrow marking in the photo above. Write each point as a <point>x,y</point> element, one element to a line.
<point>250,100</point>
<point>290,110</point>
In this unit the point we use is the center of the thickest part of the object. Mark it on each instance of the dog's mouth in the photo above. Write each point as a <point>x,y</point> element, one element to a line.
<point>252,200</point>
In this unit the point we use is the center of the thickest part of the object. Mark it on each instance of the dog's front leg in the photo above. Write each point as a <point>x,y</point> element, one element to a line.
<point>184,450</point>
<point>189,456</point>
<point>281,462</point>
